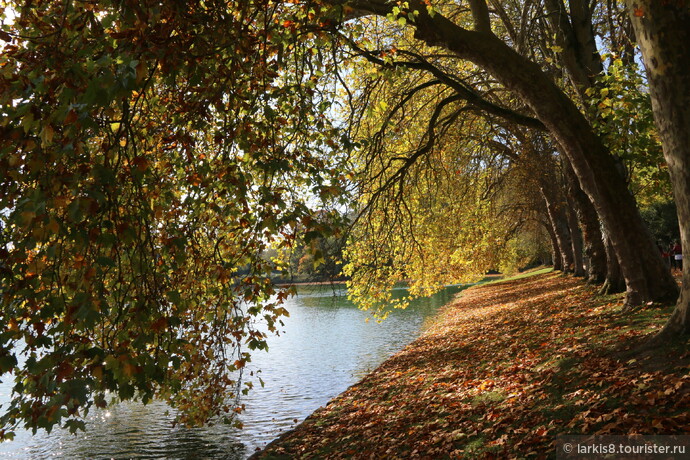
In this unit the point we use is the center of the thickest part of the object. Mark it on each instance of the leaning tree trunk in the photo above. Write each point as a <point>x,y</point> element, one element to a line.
<point>574,33</point>
<point>560,229</point>
<point>591,230</point>
<point>575,238</point>
<point>545,170</point>
<point>614,278</point>
<point>556,255</point>
<point>663,33</point>
<point>646,275</point>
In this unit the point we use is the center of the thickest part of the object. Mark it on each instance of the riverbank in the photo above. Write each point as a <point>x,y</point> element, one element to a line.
<point>504,370</point>
<point>487,278</point>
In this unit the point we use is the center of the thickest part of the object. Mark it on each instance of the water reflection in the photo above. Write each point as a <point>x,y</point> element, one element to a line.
<point>325,346</point>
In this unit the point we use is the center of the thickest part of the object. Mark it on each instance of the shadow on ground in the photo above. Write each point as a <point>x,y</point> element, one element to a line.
<point>503,371</point>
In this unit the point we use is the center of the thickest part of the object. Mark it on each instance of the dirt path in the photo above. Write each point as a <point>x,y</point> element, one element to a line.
<point>505,369</point>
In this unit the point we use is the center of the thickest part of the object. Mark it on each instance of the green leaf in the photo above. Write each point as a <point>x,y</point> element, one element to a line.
<point>7,363</point>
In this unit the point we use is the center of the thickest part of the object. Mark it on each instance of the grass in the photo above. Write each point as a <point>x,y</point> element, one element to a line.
<point>517,276</point>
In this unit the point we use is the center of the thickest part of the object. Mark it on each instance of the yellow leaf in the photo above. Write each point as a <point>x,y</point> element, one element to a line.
<point>60,202</point>
<point>27,216</point>
<point>14,160</point>
<point>47,134</point>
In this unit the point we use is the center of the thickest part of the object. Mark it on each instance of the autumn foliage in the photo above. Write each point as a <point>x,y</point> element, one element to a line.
<point>148,156</point>
<point>502,372</point>
<point>152,152</point>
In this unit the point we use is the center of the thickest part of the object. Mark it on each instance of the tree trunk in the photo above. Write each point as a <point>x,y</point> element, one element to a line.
<point>574,33</point>
<point>593,239</point>
<point>593,243</point>
<point>646,275</point>
<point>556,255</point>
<point>559,225</point>
<point>614,278</point>
<point>575,238</point>
<point>663,33</point>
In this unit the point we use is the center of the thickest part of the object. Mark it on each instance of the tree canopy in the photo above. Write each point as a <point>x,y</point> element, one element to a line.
<point>151,153</point>
<point>148,152</point>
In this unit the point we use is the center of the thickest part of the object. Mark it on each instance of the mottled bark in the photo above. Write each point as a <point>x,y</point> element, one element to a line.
<point>592,240</point>
<point>662,29</point>
<point>614,278</point>
<point>573,224</point>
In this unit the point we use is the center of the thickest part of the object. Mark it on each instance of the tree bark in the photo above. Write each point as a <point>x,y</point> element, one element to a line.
<point>561,232</point>
<point>556,256</point>
<point>647,277</point>
<point>662,29</point>
<point>614,278</point>
<point>592,238</point>
<point>575,34</point>
<point>593,243</point>
<point>575,237</point>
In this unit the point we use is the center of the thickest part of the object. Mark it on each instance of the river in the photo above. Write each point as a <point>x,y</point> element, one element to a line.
<point>326,346</point>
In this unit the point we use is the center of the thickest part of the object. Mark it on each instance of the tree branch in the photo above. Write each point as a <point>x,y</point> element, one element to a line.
<point>480,16</point>
<point>465,92</point>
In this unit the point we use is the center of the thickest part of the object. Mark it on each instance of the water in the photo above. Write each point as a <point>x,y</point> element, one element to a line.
<point>326,346</point>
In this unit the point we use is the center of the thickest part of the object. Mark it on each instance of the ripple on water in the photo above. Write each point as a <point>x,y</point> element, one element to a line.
<point>327,347</point>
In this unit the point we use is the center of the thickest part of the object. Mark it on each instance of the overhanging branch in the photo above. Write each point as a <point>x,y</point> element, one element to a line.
<point>465,92</point>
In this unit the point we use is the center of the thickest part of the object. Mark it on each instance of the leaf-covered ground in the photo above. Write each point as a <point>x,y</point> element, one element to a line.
<point>505,369</point>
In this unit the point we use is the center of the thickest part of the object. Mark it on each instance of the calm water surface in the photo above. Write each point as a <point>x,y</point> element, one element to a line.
<point>326,346</point>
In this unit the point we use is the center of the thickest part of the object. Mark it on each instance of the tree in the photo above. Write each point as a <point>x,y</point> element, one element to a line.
<point>542,170</point>
<point>646,276</point>
<point>148,151</point>
<point>434,191</point>
<point>317,255</point>
<point>663,33</point>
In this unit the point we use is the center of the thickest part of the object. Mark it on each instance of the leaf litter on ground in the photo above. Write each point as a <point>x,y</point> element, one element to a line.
<point>503,370</point>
